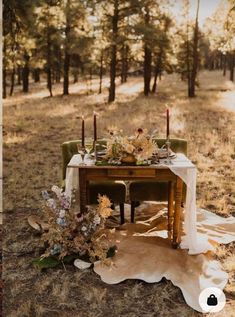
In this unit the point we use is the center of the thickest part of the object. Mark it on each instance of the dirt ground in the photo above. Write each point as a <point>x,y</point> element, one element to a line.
<point>34,128</point>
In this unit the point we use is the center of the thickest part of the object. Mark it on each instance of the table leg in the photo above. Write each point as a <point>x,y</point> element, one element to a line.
<point>177,214</point>
<point>83,189</point>
<point>170,208</point>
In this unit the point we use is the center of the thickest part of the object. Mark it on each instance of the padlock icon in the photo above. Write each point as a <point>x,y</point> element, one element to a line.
<point>212,300</point>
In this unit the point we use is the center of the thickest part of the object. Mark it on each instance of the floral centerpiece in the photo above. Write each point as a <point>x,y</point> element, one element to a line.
<point>74,233</point>
<point>132,149</point>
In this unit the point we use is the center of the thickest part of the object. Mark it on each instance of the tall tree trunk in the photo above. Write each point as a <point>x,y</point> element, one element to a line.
<point>58,62</point>
<point>57,75</point>
<point>112,73</point>
<point>19,75</point>
<point>101,71</point>
<point>124,68</point>
<point>12,81</point>
<point>66,74</point>
<point>158,67</point>
<point>147,69</point>
<point>48,67</point>
<point>4,83</point>
<point>49,81</point>
<point>231,77</point>
<point>53,75</point>
<point>147,58</point>
<point>195,56</point>
<point>75,77</point>
<point>126,62</point>
<point>113,62</point>
<point>157,70</point>
<point>221,61</point>
<point>4,72</point>
<point>90,79</point>
<point>224,64</point>
<point>212,62</point>
<point>36,75</point>
<point>58,69</point>
<point>123,63</point>
<point>66,50</point>
<point>154,87</point>
<point>25,73</point>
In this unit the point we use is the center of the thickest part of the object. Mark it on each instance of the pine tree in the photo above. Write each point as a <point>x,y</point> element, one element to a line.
<point>188,50</point>
<point>74,21</point>
<point>220,30</point>
<point>114,14</point>
<point>48,19</point>
<point>160,51</point>
<point>150,17</point>
<point>193,74</point>
<point>17,40</point>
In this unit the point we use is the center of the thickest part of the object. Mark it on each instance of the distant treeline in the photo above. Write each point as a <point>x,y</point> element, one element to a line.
<point>66,40</point>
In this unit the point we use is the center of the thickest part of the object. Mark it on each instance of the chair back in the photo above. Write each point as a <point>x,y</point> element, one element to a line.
<point>177,145</point>
<point>69,148</point>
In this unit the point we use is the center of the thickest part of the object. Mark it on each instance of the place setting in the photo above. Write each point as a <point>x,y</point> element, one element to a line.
<point>140,149</point>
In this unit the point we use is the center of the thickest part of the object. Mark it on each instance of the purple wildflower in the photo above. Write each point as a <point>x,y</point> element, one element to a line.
<point>45,194</point>
<point>61,222</point>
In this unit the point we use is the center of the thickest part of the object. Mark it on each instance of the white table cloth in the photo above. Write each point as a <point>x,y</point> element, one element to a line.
<point>186,170</point>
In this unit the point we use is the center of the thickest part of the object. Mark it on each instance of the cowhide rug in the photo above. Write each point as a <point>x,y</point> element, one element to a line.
<point>145,253</point>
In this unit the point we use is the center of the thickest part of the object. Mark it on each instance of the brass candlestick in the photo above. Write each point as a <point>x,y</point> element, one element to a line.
<point>168,145</point>
<point>95,150</point>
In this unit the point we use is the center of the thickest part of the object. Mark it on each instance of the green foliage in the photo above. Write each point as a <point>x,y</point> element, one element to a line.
<point>46,263</point>
<point>17,24</point>
<point>53,261</point>
<point>111,252</point>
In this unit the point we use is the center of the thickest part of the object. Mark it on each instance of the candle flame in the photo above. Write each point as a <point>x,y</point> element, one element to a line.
<point>167,106</point>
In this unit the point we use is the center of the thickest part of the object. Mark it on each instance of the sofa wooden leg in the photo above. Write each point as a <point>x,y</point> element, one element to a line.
<point>122,214</point>
<point>133,204</point>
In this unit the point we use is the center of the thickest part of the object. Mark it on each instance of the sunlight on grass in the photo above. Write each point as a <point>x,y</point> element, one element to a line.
<point>227,100</point>
<point>61,110</point>
<point>14,138</point>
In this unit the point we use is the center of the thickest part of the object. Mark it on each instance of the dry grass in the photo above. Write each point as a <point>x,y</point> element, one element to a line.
<point>34,128</point>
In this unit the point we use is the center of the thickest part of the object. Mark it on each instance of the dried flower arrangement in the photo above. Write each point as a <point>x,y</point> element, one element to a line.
<point>133,149</point>
<point>76,234</point>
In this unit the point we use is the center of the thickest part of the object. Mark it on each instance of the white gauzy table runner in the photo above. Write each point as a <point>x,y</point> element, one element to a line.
<point>186,170</point>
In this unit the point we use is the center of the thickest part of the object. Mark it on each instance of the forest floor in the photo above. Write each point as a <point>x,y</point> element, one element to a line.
<point>34,128</point>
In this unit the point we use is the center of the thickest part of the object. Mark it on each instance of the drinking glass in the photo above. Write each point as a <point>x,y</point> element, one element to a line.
<point>168,160</point>
<point>89,148</point>
<point>82,152</point>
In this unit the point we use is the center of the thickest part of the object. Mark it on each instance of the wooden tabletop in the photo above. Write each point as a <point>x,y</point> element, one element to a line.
<point>155,166</point>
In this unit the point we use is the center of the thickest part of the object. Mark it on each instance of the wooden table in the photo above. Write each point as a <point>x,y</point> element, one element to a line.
<point>89,173</point>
